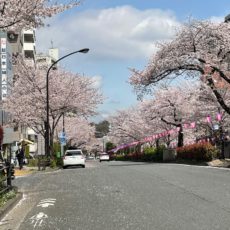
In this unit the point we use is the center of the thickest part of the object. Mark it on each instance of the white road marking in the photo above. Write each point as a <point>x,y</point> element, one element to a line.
<point>45,205</point>
<point>38,219</point>
<point>46,202</point>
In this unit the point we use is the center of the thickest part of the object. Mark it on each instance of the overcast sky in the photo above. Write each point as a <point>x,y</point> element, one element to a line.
<point>120,34</point>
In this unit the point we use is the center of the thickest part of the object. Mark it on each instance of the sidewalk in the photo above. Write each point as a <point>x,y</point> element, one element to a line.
<point>24,171</point>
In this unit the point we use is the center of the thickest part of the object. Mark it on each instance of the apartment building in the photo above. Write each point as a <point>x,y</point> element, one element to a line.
<point>14,43</point>
<point>6,74</point>
<point>22,43</point>
<point>48,59</point>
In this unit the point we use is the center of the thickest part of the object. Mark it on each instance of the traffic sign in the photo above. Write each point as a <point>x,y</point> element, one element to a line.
<point>62,135</point>
<point>62,138</point>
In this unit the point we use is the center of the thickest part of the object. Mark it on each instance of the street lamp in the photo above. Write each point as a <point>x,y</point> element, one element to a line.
<point>219,119</point>
<point>47,126</point>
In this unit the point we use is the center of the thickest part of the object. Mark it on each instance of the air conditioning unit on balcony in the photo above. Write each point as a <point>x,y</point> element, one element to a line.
<point>12,36</point>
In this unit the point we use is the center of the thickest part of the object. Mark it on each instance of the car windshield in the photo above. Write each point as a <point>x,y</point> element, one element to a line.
<point>73,153</point>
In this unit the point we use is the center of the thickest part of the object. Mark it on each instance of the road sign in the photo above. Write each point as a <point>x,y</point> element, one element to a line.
<point>62,135</point>
<point>62,141</point>
<point>62,138</point>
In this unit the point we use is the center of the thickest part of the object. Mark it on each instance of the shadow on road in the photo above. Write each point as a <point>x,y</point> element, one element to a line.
<point>131,164</point>
<point>73,167</point>
<point>160,163</point>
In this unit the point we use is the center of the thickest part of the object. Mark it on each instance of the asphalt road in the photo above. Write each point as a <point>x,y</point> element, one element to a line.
<point>123,195</point>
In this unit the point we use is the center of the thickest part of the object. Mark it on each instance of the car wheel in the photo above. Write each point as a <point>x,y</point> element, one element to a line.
<point>83,166</point>
<point>64,167</point>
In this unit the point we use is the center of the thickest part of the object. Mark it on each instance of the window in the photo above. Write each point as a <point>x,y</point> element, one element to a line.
<point>29,38</point>
<point>73,153</point>
<point>32,137</point>
<point>29,54</point>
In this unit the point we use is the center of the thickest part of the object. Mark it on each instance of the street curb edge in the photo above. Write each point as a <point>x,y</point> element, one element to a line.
<point>10,204</point>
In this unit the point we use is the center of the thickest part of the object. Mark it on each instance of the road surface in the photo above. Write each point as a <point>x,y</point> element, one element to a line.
<point>123,195</point>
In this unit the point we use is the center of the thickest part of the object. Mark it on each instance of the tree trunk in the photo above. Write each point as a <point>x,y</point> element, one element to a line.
<point>157,143</point>
<point>51,144</point>
<point>180,140</point>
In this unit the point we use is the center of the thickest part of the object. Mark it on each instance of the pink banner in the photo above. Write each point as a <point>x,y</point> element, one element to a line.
<point>191,125</point>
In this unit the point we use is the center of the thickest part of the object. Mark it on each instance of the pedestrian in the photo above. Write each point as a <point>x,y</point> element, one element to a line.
<point>20,157</point>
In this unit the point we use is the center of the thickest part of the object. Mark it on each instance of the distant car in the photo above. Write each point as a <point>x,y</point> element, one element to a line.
<point>104,157</point>
<point>90,158</point>
<point>74,157</point>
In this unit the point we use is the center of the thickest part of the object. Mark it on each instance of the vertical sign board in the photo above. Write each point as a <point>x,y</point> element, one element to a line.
<point>62,138</point>
<point>3,69</point>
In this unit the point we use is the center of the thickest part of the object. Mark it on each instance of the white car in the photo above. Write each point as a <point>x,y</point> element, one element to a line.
<point>73,157</point>
<point>104,157</point>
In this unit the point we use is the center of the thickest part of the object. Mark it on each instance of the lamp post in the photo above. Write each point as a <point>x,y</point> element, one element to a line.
<point>47,126</point>
<point>219,119</point>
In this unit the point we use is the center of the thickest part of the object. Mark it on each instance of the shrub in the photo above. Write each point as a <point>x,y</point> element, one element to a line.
<point>119,158</point>
<point>197,151</point>
<point>53,163</point>
<point>153,153</point>
<point>32,162</point>
<point>59,162</point>
<point>149,154</point>
<point>2,179</point>
<point>7,196</point>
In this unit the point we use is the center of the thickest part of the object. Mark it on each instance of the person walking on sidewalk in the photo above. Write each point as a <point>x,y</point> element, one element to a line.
<point>20,157</point>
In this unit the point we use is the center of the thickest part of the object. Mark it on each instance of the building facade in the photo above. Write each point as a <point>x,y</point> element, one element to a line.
<point>13,44</point>
<point>21,43</point>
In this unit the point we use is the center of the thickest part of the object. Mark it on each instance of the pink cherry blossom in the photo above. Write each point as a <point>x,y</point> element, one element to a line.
<point>69,93</point>
<point>199,50</point>
<point>15,14</point>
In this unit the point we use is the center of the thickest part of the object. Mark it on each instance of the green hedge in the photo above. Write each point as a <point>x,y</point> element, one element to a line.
<point>197,151</point>
<point>149,154</point>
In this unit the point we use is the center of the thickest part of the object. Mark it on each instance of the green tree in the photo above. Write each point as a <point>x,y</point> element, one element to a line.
<point>109,145</point>
<point>102,129</point>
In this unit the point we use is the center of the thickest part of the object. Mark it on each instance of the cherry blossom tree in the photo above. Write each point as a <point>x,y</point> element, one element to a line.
<point>171,107</point>
<point>207,105</point>
<point>79,131</point>
<point>201,49</point>
<point>127,125</point>
<point>15,14</point>
<point>131,125</point>
<point>68,93</point>
<point>148,109</point>
<point>175,106</point>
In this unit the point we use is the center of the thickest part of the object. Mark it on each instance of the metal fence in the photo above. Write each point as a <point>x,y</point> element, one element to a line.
<point>6,176</point>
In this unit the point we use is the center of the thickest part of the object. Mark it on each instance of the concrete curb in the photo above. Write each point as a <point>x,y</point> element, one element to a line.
<point>10,204</point>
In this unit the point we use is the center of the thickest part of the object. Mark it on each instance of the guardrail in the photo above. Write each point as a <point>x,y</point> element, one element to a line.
<point>6,176</point>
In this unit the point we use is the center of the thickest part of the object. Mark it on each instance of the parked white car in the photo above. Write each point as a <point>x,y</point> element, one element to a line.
<point>73,157</point>
<point>104,157</point>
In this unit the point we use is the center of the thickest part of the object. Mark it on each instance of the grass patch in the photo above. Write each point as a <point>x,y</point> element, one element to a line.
<point>7,196</point>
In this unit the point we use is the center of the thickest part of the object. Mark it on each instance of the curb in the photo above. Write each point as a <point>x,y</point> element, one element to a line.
<point>10,204</point>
